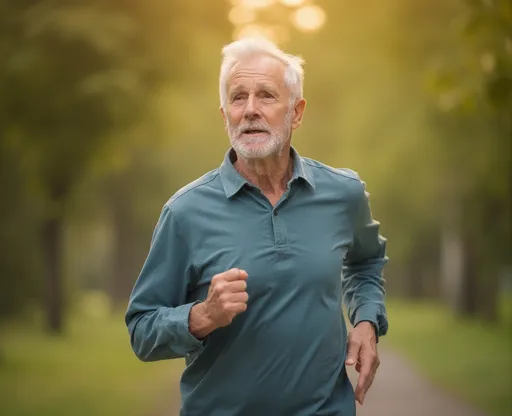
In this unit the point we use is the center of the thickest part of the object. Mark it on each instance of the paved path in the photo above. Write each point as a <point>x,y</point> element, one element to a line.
<point>398,390</point>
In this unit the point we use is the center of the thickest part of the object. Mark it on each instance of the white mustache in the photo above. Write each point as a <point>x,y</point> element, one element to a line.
<point>253,126</point>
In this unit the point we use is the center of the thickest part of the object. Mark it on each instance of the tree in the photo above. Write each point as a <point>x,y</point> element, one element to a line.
<point>74,73</point>
<point>478,83</point>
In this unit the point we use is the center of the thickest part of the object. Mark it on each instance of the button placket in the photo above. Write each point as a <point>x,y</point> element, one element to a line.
<point>280,232</point>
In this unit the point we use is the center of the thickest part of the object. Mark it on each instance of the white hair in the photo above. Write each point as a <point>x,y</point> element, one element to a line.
<point>253,46</point>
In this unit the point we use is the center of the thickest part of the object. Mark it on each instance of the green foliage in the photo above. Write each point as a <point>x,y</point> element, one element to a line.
<point>81,70</point>
<point>19,259</point>
<point>78,81</point>
<point>488,29</point>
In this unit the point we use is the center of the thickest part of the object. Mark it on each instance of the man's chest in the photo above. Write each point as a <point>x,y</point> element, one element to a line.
<point>299,246</point>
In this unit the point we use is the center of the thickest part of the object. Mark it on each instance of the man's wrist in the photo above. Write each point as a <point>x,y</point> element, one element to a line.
<point>374,326</point>
<point>199,323</point>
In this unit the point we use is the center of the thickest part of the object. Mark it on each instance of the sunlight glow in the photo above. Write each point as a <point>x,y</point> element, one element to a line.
<point>256,4</point>
<point>255,30</point>
<point>309,18</point>
<point>248,16</point>
<point>292,3</point>
<point>282,34</point>
<point>240,15</point>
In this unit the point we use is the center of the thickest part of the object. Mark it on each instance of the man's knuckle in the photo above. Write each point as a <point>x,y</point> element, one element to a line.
<point>233,272</point>
<point>355,342</point>
<point>217,278</point>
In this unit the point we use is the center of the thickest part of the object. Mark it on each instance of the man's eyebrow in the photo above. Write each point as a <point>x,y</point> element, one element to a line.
<point>266,87</point>
<point>236,89</point>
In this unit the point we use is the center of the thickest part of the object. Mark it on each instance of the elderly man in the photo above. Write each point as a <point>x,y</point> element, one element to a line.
<point>249,264</point>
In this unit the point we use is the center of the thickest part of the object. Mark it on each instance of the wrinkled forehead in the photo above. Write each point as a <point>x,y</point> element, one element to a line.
<point>257,70</point>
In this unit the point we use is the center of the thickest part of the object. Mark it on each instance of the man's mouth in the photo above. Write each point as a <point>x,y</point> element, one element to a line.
<point>253,131</point>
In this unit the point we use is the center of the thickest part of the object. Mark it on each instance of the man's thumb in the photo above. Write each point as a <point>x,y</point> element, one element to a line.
<point>352,354</point>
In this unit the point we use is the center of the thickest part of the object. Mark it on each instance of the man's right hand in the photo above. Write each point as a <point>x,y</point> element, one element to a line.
<point>227,297</point>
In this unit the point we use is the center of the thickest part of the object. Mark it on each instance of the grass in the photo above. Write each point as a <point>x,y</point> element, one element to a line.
<point>471,359</point>
<point>89,371</point>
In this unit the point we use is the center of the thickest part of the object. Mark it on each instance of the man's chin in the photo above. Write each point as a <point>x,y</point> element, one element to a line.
<point>255,151</point>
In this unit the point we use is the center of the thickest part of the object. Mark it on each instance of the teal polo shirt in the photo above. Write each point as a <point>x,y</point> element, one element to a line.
<point>285,355</point>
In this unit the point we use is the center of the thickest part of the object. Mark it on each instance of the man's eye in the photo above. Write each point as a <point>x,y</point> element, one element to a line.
<point>266,94</point>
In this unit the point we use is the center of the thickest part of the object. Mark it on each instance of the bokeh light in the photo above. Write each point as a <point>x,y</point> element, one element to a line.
<point>264,18</point>
<point>292,3</point>
<point>257,30</point>
<point>256,4</point>
<point>309,18</point>
<point>240,15</point>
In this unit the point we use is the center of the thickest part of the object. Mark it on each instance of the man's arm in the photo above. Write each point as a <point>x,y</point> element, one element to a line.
<point>158,315</point>
<point>362,282</point>
<point>363,289</point>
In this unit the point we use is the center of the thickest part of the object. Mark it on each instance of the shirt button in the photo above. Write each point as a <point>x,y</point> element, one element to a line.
<point>275,212</point>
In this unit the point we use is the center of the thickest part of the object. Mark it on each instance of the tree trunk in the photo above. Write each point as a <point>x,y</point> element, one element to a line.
<point>451,266</point>
<point>489,298</point>
<point>452,248</point>
<point>54,291</point>
<point>494,253</point>
<point>467,304</point>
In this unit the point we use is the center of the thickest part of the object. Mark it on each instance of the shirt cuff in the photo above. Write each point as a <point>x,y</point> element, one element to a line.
<point>372,313</point>
<point>181,317</point>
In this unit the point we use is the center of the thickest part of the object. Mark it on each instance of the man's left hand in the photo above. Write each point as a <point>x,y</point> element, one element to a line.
<point>362,351</point>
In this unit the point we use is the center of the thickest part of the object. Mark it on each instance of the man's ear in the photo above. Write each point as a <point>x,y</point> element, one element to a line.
<point>298,113</point>
<point>224,117</point>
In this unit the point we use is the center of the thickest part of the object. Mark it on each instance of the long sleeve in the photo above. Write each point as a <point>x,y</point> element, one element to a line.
<point>157,314</point>
<point>362,282</point>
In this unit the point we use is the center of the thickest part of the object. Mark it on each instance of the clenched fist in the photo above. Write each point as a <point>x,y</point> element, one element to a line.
<point>227,297</point>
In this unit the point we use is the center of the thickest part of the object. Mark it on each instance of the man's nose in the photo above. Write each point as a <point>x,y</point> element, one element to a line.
<point>252,110</point>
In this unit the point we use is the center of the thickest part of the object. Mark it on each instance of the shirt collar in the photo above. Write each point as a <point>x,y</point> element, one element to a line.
<point>232,181</point>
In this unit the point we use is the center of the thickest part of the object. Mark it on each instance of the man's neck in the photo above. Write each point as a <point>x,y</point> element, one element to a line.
<point>270,175</point>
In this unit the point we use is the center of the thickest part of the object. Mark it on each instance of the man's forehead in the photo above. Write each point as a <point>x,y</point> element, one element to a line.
<point>257,70</point>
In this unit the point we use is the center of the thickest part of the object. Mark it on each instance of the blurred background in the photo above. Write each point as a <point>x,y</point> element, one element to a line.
<point>109,107</point>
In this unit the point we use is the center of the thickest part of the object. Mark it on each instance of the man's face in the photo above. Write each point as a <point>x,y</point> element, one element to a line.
<point>258,115</point>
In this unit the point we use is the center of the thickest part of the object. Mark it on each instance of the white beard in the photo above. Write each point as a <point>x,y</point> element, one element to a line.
<point>270,145</point>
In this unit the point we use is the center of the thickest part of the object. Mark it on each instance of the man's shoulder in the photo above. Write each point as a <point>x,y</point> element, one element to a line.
<point>336,174</point>
<point>345,183</point>
<point>193,193</point>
